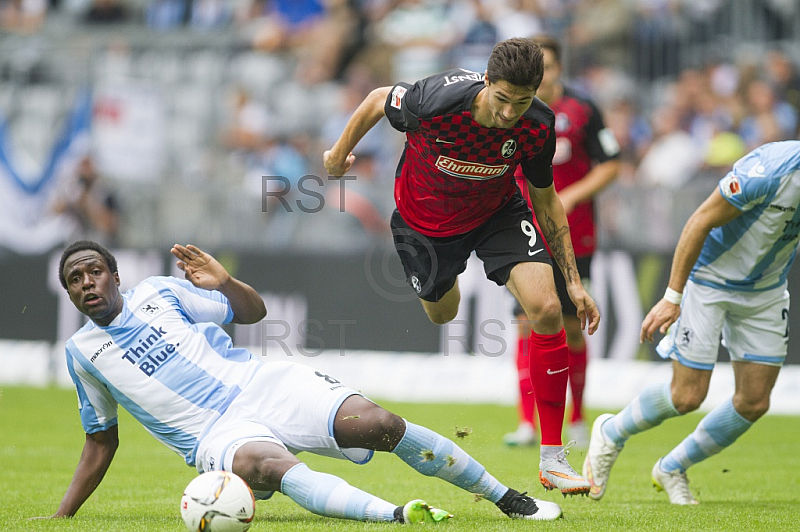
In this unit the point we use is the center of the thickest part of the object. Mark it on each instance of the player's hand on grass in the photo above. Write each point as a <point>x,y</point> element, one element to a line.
<point>660,317</point>
<point>200,268</point>
<point>337,168</point>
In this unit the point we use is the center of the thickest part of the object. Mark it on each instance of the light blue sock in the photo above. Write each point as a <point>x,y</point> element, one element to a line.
<point>717,430</point>
<point>436,456</point>
<point>647,410</point>
<point>331,496</point>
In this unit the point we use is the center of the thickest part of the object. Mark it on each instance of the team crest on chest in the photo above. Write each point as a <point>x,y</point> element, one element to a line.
<point>508,149</point>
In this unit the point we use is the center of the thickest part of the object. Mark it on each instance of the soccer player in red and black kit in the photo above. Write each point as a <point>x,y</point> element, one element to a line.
<point>466,133</point>
<point>586,160</point>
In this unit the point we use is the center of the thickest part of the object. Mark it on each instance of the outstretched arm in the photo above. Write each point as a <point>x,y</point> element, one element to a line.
<point>204,271</point>
<point>555,230</point>
<point>339,158</point>
<point>714,212</point>
<point>98,452</point>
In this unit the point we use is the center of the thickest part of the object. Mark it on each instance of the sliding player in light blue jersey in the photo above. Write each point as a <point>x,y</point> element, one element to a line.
<point>728,277</point>
<point>160,353</point>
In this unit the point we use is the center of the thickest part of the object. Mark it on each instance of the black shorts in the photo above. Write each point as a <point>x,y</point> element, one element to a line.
<point>568,308</point>
<point>432,264</point>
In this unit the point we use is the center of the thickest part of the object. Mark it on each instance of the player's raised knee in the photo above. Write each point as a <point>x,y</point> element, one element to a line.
<point>751,409</point>
<point>441,317</point>
<point>545,314</point>
<point>687,401</point>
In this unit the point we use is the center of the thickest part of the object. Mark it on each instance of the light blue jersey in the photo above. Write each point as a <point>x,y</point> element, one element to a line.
<point>755,251</point>
<point>164,359</point>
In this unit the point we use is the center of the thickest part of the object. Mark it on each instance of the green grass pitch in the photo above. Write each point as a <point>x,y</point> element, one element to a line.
<point>751,486</point>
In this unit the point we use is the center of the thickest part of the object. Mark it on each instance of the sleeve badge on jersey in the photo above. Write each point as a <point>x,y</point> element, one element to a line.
<point>730,185</point>
<point>397,96</point>
<point>608,142</point>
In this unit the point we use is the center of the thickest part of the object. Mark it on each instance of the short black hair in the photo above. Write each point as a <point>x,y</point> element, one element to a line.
<point>518,61</point>
<point>83,245</point>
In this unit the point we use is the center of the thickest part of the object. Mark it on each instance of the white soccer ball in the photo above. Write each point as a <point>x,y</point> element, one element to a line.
<point>218,501</point>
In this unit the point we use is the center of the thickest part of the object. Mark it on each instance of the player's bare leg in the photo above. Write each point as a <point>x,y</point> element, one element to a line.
<point>533,285</point>
<point>718,429</point>
<point>444,310</point>
<point>269,467</point>
<point>654,405</point>
<point>363,424</point>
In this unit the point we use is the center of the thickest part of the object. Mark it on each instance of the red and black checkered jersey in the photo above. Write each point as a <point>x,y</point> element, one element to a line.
<point>454,173</point>
<point>581,141</point>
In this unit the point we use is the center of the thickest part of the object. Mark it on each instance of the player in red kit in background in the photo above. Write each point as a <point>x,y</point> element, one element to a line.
<point>466,134</point>
<point>586,161</point>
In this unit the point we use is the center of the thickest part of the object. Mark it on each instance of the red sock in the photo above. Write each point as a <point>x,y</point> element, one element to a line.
<point>526,397</point>
<point>549,373</point>
<point>577,381</point>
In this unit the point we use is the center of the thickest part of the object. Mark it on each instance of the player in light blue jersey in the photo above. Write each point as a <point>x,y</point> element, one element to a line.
<point>160,353</point>
<point>728,278</point>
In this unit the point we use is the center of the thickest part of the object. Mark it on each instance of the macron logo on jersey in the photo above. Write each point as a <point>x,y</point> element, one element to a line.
<point>102,348</point>
<point>457,168</point>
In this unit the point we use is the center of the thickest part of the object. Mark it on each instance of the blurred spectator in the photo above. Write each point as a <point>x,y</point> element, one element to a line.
<point>210,14</point>
<point>724,149</point>
<point>362,199</point>
<point>684,94</point>
<point>515,18</point>
<point>89,210</point>
<point>359,81</point>
<point>478,36</point>
<point>22,16</point>
<point>673,158</point>
<point>782,73</point>
<point>166,14</point>
<point>322,33</point>
<point>247,130</point>
<point>632,132</point>
<point>106,12</point>
<point>709,118</point>
<point>601,33</point>
<point>768,118</point>
<point>779,17</point>
<point>659,31</point>
<point>418,32</point>
<point>556,15</point>
<point>278,174</point>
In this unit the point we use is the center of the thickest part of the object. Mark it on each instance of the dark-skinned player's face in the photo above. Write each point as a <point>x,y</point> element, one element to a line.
<point>507,102</point>
<point>92,287</point>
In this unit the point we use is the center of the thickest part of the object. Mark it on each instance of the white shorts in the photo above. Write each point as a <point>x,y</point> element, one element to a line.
<point>754,327</point>
<point>289,404</point>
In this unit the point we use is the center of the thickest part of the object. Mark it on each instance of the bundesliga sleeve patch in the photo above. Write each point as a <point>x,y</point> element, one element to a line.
<point>397,97</point>
<point>730,185</point>
<point>608,142</point>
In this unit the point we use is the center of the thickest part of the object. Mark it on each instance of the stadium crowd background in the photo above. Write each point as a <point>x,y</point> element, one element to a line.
<point>193,102</point>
